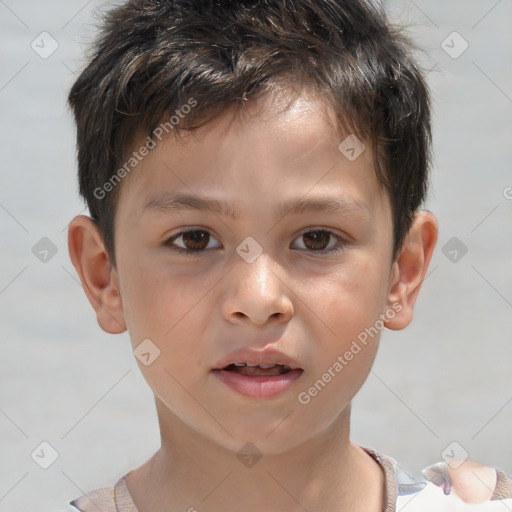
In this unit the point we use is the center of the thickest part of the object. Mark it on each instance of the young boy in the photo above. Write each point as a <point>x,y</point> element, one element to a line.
<point>254,171</point>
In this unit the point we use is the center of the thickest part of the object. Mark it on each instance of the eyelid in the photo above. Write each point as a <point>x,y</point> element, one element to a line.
<point>169,242</point>
<point>343,241</point>
<point>331,251</point>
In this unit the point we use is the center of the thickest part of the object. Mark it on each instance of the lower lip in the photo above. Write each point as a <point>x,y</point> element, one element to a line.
<point>260,386</point>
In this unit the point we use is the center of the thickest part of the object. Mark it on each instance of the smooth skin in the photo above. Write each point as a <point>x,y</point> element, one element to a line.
<point>296,297</point>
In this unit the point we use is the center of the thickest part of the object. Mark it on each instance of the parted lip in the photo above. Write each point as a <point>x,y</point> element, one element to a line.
<point>253,356</point>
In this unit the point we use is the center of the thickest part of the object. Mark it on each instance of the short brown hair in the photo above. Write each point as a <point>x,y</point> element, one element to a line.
<point>152,56</point>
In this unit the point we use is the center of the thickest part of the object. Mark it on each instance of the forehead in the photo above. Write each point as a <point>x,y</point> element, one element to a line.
<point>282,144</point>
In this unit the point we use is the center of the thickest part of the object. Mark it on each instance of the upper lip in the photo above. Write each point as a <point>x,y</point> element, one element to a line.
<point>262,356</point>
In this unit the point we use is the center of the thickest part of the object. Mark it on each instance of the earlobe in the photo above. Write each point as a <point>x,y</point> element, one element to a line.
<point>99,279</point>
<point>410,269</point>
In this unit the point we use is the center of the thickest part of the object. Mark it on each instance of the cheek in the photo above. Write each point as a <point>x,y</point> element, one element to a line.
<point>169,309</point>
<point>351,344</point>
<point>346,344</point>
<point>153,300</point>
<point>352,299</point>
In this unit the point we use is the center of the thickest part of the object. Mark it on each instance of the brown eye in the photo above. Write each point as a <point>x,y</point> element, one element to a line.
<point>192,241</point>
<point>196,240</point>
<point>317,240</point>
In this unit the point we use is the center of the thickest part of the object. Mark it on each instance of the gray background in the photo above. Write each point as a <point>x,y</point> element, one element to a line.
<point>445,378</point>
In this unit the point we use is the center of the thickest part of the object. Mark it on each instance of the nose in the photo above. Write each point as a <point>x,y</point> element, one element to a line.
<point>257,294</point>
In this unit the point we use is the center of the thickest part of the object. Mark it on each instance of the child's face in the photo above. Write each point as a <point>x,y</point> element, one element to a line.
<point>296,297</point>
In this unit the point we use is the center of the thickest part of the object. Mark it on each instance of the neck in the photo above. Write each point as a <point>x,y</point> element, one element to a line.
<point>191,472</point>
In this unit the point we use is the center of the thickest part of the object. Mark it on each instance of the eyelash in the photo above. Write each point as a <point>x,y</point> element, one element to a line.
<point>193,252</point>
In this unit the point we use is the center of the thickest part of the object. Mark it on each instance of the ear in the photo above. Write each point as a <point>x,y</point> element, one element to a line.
<point>99,278</point>
<point>409,269</point>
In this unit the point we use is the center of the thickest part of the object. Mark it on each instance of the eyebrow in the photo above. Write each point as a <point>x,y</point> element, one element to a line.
<point>181,202</point>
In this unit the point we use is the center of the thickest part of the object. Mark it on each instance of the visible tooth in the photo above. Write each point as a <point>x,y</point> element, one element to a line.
<point>267,365</point>
<point>239,364</point>
<point>248,364</point>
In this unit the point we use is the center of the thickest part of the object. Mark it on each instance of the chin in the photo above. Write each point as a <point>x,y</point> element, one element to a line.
<point>271,437</point>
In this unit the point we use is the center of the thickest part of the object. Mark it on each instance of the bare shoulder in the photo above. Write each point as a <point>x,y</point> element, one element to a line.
<point>470,481</point>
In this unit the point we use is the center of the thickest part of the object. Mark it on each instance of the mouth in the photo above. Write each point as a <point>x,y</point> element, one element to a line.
<point>258,380</point>
<point>253,370</point>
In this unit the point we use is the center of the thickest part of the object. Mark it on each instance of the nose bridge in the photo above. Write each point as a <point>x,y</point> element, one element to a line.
<point>255,290</point>
<point>255,272</point>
